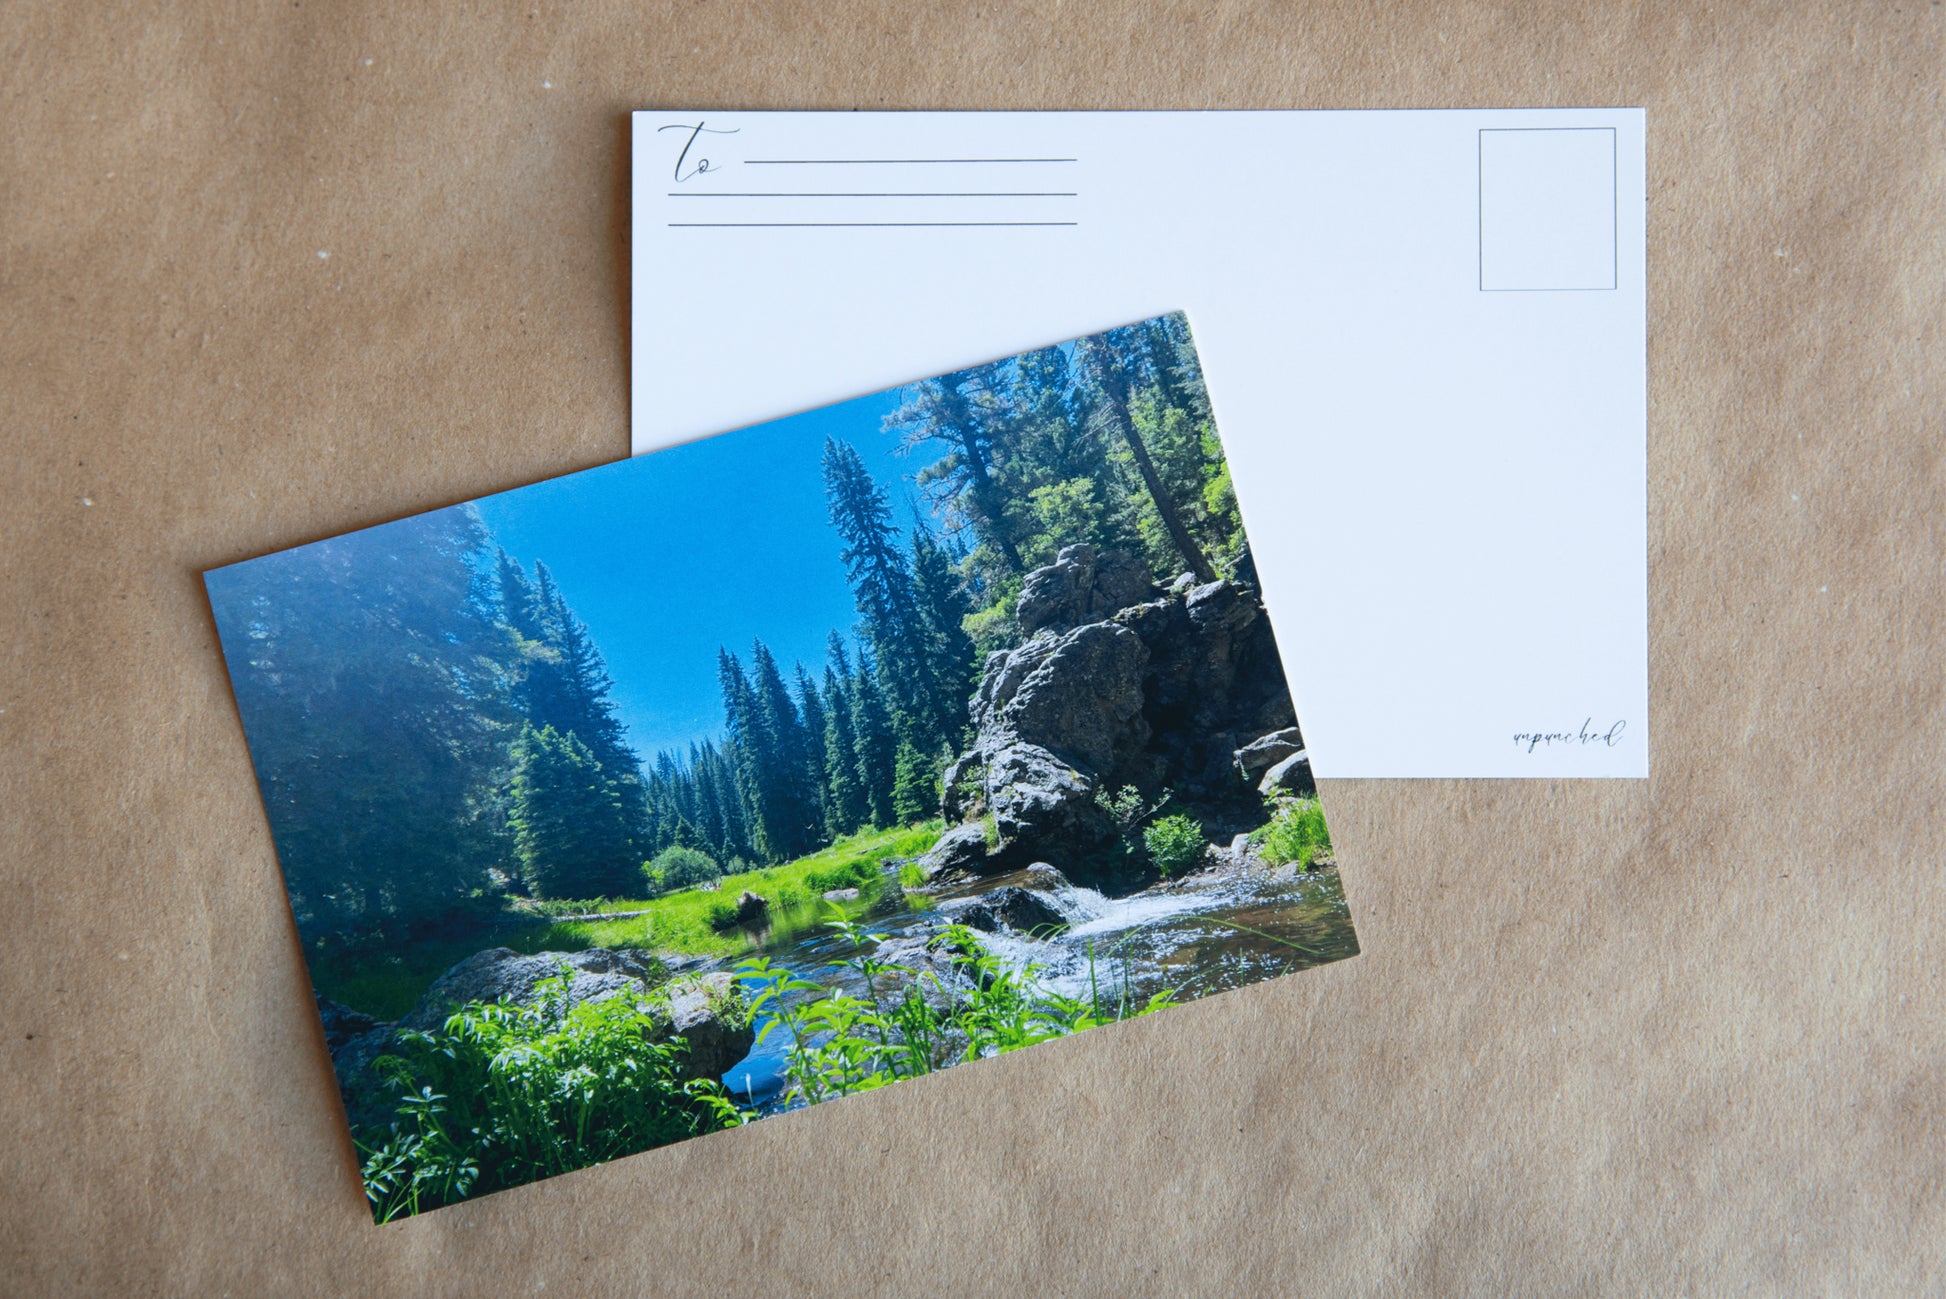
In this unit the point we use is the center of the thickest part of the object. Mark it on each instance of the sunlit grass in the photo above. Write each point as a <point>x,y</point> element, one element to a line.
<point>388,983</point>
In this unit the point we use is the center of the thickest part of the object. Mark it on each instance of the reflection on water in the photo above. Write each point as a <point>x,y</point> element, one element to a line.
<point>1201,936</point>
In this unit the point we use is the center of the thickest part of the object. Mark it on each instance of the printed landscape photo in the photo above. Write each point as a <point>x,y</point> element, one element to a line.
<point>688,791</point>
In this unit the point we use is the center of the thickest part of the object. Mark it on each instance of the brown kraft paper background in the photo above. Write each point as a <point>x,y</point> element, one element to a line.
<point>1679,1036</point>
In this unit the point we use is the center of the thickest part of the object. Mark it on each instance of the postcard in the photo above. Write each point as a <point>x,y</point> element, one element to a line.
<point>686,792</point>
<point>1425,334</point>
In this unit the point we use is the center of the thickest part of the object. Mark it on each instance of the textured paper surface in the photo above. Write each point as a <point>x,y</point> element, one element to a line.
<point>1672,1037</point>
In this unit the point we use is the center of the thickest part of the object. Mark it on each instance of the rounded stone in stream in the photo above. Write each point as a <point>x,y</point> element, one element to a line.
<point>1021,910</point>
<point>962,848</point>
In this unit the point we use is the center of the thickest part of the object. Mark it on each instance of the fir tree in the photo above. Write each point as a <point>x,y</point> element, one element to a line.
<point>745,745</point>
<point>810,706</point>
<point>915,786</point>
<point>571,839</point>
<point>846,807</point>
<point>881,581</point>
<point>790,804</point>
<point>1113,362</point>
<point>871,724</point>
<point>949,659</point>
<point>956,409</point>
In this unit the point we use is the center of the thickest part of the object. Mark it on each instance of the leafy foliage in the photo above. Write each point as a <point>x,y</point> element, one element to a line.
<point>1175,843</point>
<point>839,1044</point>
<point>1296,833</point>
<point>502,1094</point>
<point>677,867</point>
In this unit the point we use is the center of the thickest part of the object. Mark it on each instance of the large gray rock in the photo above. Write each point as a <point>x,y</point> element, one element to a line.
<point>502,974</point>
<point>1267,751</point>
<point>1037,799</point>
<point>1021,910</point>
<point>1291,776</point>
<point>1082,699</point>
<point>962,849</point>
<point>708,1012</point>
<point>1081,585</point>
<point>1119,683</point>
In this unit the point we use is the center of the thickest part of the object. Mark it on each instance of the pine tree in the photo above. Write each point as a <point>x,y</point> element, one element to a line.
<point>957,409</point>
<point>949,657</point>
<point>881,581</point>
<point>571,838</point>
<point>373,677</point>
<point>791,811</point>
<point>846,807</point>
<point>915,786</point>
<point>743,745</point>
<point>1113,362</point>
<point>810,706</point>
<point>871,724</point>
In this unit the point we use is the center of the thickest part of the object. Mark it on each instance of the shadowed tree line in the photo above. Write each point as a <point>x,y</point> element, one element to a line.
<point>430,722</point>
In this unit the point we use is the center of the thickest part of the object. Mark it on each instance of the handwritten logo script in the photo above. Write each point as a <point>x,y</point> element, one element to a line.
<point>1609,738</point>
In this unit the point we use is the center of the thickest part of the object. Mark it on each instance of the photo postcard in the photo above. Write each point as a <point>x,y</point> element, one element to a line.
<point>692,790</point>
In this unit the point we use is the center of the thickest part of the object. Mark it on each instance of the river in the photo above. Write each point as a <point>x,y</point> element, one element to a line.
<point>1207,934</point>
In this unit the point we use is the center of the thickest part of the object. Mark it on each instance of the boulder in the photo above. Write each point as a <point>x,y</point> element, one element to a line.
<point>705,1010</point>
<point>1119,684</point>
<point>961,849</point>
<point>1082,698</point>
<point>342,1024</point>
<point>1039,800</point>
<point>840,895</point>
<point>708,1012</point>
<point>1081,585</point>
<point>922,960</point>
<point>1267,751</point>
<point>1291,776</point>
<point>1021,910</point>
<point>501,974</point>
<point>751,907</point>
<point>1043,876</point>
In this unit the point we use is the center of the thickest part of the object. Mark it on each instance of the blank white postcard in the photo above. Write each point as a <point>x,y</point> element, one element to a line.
<point>1423,335</point>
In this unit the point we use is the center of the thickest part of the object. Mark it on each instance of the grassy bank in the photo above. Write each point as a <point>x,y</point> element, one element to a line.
<point>388,982</point>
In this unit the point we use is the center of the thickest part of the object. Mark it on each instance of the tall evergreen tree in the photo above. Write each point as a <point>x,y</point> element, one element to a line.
<point>1113,362</point>
<point>746,746</point>
<point>371,674</point>
<point>571,836</point>
<point>948,658</point>
<point>810,706</point>
<point>871,724</point>
<point>956,409</point>
<point>790,802</point>
<point>881,582</point>
<point>846,807</point>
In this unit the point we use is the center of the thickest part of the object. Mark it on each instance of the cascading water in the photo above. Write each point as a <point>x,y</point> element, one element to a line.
<point>1200,936</point>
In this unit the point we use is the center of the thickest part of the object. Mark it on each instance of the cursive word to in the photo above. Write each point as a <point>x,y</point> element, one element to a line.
<point>1536,739</point>
<point>702,164</point>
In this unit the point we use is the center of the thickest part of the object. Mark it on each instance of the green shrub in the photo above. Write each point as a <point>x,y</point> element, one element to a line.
<point>1174,843</point>
<point>1296,834</point>
<point>501,1095</point>
<point>676,867</point>
<point>853,874</point>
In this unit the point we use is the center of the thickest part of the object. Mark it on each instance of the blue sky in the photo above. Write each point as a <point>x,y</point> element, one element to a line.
<point>671,554</point>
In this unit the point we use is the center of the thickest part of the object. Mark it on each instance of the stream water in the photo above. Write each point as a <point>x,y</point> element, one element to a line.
<point>1203,935</point>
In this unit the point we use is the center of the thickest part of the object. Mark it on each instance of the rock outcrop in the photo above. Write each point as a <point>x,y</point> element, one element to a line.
<point>1119,683</point>
<point>704,1010</point>
<point>1022,911</point>
<point>502,974</point>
